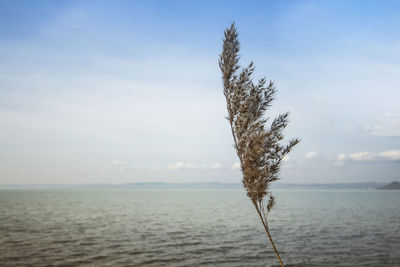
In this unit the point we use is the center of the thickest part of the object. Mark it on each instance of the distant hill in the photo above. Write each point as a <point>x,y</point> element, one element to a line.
<point>334,186</point>
<point>392,186</point>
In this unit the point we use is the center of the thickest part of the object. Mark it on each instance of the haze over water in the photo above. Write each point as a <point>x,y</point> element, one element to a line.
<point>197,228</point>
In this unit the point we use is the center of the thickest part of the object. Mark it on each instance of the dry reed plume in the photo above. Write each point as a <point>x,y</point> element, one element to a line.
<point>257,145</point>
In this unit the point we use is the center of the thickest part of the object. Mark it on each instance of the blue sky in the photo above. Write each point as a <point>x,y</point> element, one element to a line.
<point>129,91</point>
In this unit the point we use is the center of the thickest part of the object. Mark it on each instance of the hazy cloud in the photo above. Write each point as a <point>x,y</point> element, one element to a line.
<point>312,155</point>
<point>190,166</point>
<point>115,166</point>
<point>390,155</point>
<point>236,166</point>
<point>389,126</point>
<point>361,156</point>
<point>91,94</point>
<point>216,166</point>
<point>341,157</point>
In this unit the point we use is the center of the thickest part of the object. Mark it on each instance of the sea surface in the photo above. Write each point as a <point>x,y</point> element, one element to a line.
<point>197,228</point>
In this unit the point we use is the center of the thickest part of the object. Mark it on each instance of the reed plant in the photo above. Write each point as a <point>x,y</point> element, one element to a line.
<point>257,141</point>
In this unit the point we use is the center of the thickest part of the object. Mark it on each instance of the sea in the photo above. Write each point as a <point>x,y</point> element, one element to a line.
<point>197,227</point>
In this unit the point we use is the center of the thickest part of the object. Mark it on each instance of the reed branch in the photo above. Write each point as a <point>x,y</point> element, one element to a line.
<point>257,142</point>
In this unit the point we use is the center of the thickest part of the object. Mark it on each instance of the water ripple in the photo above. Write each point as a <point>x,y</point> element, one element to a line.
<point>197,228</point>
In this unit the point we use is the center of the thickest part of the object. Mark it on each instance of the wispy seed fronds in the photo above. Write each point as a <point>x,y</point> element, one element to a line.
<point>258,146</point>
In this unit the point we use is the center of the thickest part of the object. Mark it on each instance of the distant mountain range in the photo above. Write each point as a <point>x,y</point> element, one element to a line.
<point>392,186</point>
<point>211,185</point>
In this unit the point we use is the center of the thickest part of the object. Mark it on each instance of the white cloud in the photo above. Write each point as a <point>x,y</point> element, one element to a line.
<point>287,158</point>
<point>341,157</point>
<point>390,155</point>
<point>190,166</point>
<point>362,156</point>
<point>312,155</point>
<point>389,126</point>
<point>236,166</point>
<point>216,166</point>
<point>181,165</point>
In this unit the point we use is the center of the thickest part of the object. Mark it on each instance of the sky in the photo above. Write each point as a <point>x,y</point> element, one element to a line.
<point>130,91</point>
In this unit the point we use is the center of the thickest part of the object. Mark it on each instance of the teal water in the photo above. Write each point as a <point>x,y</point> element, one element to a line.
<point>197,228</point>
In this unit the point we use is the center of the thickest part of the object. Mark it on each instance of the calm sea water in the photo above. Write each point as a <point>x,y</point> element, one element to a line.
<point>197,228</point>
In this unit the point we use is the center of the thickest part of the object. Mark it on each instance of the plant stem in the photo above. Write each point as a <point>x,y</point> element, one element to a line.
<point>269,235</point>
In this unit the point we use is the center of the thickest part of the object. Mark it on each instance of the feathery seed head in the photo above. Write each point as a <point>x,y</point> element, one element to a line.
<point>257,145</point>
